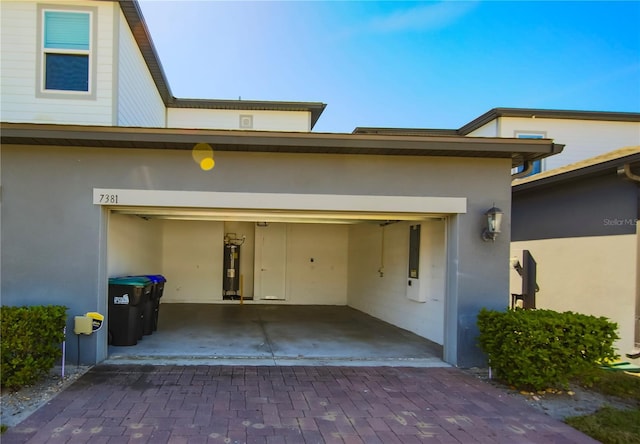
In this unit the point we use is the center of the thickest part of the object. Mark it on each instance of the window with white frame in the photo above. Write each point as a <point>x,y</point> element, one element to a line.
<point>537,164</point>
<point>66,51</point>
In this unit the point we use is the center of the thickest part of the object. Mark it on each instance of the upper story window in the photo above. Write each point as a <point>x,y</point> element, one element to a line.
<point>67,53</point>
<point>537,164</point>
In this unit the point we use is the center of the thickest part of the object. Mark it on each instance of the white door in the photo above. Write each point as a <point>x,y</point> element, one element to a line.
<point>270,261</point>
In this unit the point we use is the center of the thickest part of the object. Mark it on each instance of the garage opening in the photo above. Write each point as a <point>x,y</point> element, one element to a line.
<point>299,285</point>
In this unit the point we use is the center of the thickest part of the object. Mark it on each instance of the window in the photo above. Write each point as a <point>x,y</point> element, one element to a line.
<point>66,51</point>
<point>537,164</point>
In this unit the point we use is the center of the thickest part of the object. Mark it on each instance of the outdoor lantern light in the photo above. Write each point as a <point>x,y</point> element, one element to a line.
<point>494,221</point>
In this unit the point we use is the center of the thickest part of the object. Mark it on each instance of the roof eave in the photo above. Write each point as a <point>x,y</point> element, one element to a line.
<point>610,166</point>
<point>138,26</point>
<point>495,113</point>
<point>519,150</point>
<point>315,109</point>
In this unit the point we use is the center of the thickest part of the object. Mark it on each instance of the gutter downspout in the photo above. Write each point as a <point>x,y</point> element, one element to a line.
<point>626,169</point>
<point>635,353</point>
<point>556,148</point>
<point>528,167</point>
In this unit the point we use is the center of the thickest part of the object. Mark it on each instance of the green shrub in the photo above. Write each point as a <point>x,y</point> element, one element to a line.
<point>538,349</point>
<point>31,342</point>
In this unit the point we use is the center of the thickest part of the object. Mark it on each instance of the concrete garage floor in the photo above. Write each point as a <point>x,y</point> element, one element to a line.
<point>251,334</point>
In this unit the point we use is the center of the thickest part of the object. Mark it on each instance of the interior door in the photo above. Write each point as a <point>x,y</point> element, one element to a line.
<point>270,261</point>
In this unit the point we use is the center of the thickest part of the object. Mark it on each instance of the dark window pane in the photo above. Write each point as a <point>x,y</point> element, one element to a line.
<point>67,72</point>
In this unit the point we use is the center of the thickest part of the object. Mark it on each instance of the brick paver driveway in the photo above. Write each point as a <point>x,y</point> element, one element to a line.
<point>245,404</point>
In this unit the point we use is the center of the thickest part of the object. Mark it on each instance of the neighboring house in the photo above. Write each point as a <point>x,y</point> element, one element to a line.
<point>584,133</point>
<point>100,178</point>
<point>579,223</point>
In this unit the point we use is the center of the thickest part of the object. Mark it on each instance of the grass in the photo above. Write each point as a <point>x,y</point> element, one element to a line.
<point>612,383</point>
<point>609,425</point>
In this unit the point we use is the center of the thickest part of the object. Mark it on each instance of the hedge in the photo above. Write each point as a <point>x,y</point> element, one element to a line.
<point>31,342</point>
<point>538,349</point>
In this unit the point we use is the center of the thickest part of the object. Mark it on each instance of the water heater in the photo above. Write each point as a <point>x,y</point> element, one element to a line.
<point>231,267</point>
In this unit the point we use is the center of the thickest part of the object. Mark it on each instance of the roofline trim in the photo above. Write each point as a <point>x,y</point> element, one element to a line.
<point>142,36</point>
<point>496,113</point>
<point>314,108</point>
<point>519,150</point>
<point>578,173</point>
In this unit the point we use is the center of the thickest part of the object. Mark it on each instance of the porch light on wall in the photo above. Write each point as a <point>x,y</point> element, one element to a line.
<point>494,221</point>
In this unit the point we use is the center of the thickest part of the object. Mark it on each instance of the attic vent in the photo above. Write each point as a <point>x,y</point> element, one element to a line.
<point>246,121</point>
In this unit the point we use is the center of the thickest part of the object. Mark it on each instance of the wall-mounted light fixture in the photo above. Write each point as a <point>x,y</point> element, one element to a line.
<point>494,221</point>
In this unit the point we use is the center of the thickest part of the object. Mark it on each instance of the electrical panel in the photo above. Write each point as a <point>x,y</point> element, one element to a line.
<point>416,290</point>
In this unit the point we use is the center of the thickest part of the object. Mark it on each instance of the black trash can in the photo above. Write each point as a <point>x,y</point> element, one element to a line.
<point>151,305</point>
<point>158,280</point>
<point>127,296</point>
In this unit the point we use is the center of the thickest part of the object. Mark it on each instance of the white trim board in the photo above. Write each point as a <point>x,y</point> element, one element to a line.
<point>279,201</point>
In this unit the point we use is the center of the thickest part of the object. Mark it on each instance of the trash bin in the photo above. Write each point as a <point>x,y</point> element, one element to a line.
<point>127,296</point>
<point>151,306</point>
<point>156,294</point>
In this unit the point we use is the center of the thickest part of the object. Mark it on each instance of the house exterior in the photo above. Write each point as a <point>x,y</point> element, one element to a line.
<point>101,176</point>
<point>579,223</point>
<point>585,134</point>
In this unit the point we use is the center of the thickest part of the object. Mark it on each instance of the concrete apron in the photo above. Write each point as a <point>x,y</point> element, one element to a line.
<point>282,335</point>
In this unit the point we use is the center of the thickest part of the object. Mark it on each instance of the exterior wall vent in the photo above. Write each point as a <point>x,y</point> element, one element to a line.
<point>246,121</point>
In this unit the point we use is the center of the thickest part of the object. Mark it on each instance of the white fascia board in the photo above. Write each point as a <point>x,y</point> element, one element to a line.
<point>279,201</point>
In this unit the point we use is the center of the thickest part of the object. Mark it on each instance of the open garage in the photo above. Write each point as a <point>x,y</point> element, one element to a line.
<point>387,225</point>
<point>328,278</point>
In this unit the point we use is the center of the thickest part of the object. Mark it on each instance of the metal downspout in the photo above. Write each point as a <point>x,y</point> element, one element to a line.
<point>635,353</point>
<point>626,169</point>
<point>528,167</point>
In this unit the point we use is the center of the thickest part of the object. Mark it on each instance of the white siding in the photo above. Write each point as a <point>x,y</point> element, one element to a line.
<point>582,138</point>
<point>139,103</point>
<point>230,119</point>
<point>19,54</point>
<point>488,130</point>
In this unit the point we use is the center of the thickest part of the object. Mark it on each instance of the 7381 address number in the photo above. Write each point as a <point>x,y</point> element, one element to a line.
<point>108,199</point>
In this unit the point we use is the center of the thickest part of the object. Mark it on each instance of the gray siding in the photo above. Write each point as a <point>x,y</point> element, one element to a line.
<point>606,205</point>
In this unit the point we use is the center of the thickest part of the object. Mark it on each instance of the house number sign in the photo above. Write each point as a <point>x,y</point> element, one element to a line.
<point>107,199</point>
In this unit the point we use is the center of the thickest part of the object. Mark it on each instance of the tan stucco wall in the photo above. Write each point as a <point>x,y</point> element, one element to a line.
<point>590,275</point>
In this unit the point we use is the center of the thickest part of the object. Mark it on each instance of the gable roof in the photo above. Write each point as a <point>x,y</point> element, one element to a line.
<point>135,19</point>
<point>608,162</point>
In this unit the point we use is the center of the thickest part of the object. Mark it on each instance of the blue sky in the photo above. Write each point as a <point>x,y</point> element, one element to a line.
<point>403,64</point>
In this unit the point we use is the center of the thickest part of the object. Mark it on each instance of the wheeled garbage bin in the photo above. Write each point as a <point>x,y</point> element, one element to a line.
<point>156,293</point>
<point>127,296</point>
<point>151,305</point>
